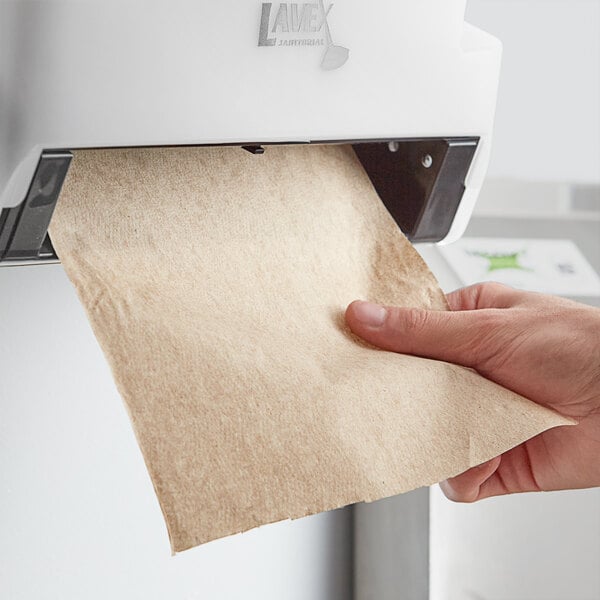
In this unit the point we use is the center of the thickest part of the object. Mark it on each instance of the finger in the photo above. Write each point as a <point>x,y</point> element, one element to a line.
<point>467,487</point>
<point>457,337</point>
<point>512,473</point>
<point>483,295</point>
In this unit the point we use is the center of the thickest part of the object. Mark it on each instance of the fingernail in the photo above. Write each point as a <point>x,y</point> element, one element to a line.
<point>372,315</point>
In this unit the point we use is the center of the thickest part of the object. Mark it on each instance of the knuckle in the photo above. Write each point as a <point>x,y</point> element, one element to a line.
<point>483,343</point>
<point>489,292</point>
<point>494,286</point>
<point>412,320</point>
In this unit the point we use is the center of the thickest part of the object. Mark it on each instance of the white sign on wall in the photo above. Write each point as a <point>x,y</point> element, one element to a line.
<point>548,266</point>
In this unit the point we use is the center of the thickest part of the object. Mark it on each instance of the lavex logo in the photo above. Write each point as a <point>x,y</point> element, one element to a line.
<point>293,24</point>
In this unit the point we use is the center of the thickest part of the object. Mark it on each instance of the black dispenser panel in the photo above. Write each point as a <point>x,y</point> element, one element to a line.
<point>24,228</point>
<point>421,182</point>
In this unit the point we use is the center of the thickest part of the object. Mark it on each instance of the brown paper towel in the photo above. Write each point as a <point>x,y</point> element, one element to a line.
<point>215,281</point>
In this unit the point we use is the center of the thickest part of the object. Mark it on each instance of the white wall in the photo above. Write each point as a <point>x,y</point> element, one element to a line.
<point>548,116</point>
<point>526,547</point>
<point>78,515</point>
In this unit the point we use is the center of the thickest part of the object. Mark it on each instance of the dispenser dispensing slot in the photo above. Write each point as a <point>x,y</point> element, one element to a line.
<point>420,181</point>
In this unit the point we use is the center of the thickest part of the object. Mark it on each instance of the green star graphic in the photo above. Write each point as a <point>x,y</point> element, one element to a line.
<point>502,261</point>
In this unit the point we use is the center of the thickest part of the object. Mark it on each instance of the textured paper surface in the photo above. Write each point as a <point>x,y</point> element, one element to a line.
<point>215,281</point>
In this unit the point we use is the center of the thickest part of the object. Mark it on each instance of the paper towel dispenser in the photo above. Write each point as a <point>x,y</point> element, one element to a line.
<point>409,84</point>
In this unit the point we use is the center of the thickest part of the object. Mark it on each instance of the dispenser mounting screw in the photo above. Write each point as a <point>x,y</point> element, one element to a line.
<point>427,161</point>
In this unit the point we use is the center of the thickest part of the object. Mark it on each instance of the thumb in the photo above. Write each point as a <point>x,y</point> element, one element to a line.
<point>457,337</point>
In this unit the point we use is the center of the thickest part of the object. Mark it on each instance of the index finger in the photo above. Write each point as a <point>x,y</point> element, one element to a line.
<point>483,295</point>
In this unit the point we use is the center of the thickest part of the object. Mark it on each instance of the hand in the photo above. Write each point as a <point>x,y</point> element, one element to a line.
<point>544,348</point>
